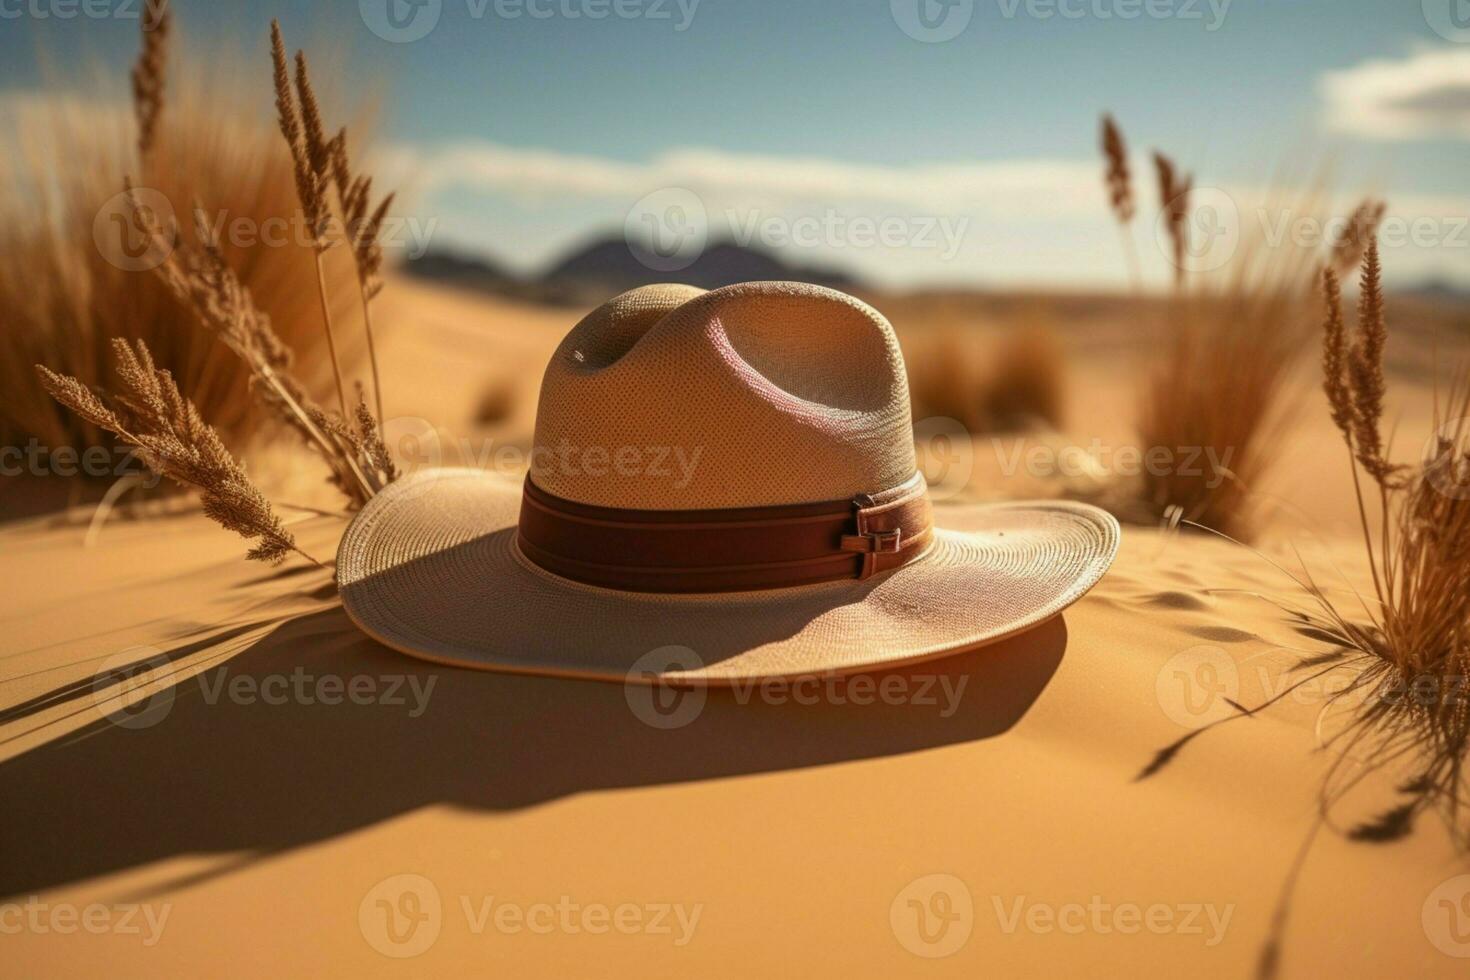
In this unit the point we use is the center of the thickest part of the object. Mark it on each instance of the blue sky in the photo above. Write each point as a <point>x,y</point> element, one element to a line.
<point>522,134</point>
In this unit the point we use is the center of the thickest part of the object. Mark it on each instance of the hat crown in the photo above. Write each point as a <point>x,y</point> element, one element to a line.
<point>760,394</point>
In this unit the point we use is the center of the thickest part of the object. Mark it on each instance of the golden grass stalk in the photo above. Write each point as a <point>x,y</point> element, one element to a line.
<point>363,230</point>
<point>199,277</point>
<point>1360,228</point>
<point>1174,191</point>
<point>63,293</point>
<point>1119,182</point>
<point>310,158</point>
<point>320,163</point>
<point>173,439</point>
<point>361,441</point>
<point>1116,176</point>
<point>1365,368</point>
<point>148,77</point>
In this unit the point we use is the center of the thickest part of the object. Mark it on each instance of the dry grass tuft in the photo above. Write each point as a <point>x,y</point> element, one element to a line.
<point>497,403</point>
<point>1404,663</point>
<point>1220,388</point>
<point>1413,653</point>
<point>1027,383</point>
<point>1014,382</point>
<point>172,438</point>
<point>63,297</point>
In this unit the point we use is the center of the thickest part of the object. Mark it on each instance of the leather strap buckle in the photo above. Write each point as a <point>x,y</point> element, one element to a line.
<point>874,542</point>
<point>878,533</point>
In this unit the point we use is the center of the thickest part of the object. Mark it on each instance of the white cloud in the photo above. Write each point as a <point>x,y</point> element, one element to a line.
<point>1036,189</point>
<point>1019,220</point>
<point>1424,95</point>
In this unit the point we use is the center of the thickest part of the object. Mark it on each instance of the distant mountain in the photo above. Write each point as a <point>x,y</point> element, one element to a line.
<point>608,266</point>
<point>482,275</point>
<point>612,265</point>
<point>1438,289</point>
<point>460,270</point>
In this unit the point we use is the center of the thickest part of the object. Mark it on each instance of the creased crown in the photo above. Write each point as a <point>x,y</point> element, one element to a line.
<point>765,393</point>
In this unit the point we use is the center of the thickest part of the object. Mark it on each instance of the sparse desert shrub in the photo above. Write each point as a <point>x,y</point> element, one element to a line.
<point>1411,659</point>
<point>943,376</point>
<point>64,225</point>
<point>1221,383</point>
<point>150,412</point>
<point>496,404</point>
<point>989,384</point>
<point>1026,384</point>
<point>1218,386</point>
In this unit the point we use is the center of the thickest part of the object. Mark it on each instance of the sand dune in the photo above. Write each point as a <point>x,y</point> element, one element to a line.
<point>262,826</point>
<point>261,836</point>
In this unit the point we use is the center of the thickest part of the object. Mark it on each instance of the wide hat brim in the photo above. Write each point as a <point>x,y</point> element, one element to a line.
<point>430,567</point>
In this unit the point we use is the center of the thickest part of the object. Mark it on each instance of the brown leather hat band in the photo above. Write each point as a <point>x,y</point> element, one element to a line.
<point>726,550</point>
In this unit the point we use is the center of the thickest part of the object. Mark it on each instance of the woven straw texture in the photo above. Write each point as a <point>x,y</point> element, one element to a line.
<point>777,392</point>
<point>430,568</point>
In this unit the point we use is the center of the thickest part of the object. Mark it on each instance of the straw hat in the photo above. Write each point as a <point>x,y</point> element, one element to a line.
<point>726,474</point>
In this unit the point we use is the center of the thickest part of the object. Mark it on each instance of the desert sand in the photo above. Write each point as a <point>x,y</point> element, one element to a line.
<point>765,838</point>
